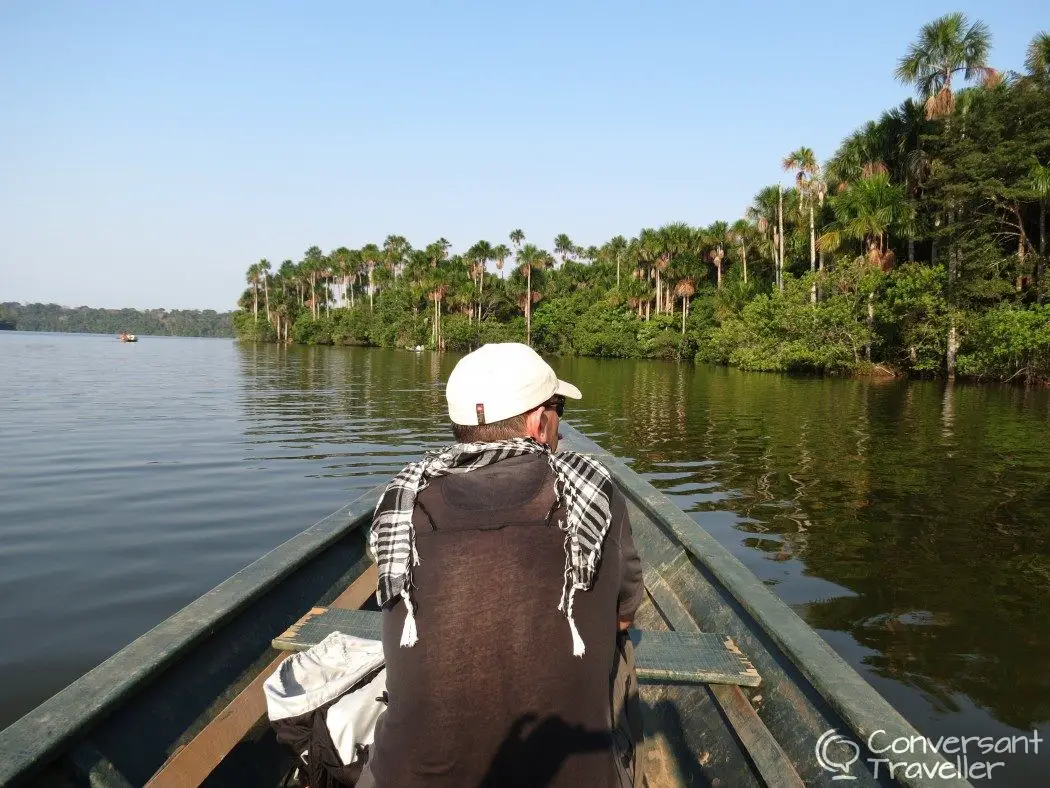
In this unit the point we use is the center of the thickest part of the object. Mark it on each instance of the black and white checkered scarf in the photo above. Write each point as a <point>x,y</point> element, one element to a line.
<point>584,486</point>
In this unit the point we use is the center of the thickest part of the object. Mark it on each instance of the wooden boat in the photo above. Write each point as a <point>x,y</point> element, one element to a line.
<point>182,705</point>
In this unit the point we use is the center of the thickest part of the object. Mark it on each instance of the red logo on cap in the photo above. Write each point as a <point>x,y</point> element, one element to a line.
<point>480,410</point>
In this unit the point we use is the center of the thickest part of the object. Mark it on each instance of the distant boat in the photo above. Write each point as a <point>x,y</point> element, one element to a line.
<point>128,337</point>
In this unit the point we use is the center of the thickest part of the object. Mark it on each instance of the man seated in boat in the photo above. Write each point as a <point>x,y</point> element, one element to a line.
<point>507,573</point>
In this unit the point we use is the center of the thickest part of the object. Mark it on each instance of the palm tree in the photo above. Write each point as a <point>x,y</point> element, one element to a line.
<point>763,212</point>
<point>437,252</point>
<point>741,234</point>
<point>638,290</point>
<point>437,295</point>
<point>716,238</point>
<point>264,271</point>
<point>780,236</point>
<point>867,211</point>
<point>811,188</point>
<point>1037,57</point>
<point>396,248</point>
<point>370,256</point>
<point>500,252</point>
<point>904,129</point>
<point>340,261</point>
<point>676,239</point>
<point>650,248</point>
<point>946,46</point>
<point>517,237</point>
<point>685,290</point>
<point>564,246</point>
<point>253,279</point>
<point>617,249</point>
<point>530,257</point>
<point>312,266</point>
<point>355,264</point>
<point>479,255</point>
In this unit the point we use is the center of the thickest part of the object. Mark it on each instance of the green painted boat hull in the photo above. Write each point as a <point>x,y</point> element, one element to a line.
<point>119,723</point>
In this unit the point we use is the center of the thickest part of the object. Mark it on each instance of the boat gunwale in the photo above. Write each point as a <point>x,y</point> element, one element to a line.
<point>847,692</point>
<point>33,740</point>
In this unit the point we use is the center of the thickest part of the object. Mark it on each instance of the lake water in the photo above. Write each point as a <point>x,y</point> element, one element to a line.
<point>907,522</point>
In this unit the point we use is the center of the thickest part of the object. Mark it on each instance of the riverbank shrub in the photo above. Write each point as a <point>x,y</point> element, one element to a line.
<point>607,333</point>
<point>351,326</point>
<point>787,331</point>
<point>1008,343</point>
<point>307,331</point>
<point>251,329</point>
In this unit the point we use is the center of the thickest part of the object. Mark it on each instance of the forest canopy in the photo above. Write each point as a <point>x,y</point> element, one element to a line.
<point>918,248</point>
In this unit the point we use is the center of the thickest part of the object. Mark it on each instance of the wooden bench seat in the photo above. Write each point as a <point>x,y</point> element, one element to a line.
<point>660,657</point>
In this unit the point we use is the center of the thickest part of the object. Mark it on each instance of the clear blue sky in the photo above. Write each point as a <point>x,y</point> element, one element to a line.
<point>149,152</point>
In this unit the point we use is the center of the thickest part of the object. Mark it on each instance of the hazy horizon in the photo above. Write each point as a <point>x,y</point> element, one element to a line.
<point>151,153</point>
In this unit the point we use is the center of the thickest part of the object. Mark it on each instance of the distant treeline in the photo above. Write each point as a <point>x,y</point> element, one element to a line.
<point>87,320</point>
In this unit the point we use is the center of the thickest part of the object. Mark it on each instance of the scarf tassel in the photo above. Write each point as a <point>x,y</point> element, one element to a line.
<point>578,647</point>
<point>409,635</point>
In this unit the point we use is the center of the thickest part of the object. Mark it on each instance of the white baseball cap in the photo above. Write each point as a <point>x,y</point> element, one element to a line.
<point>501,380</point>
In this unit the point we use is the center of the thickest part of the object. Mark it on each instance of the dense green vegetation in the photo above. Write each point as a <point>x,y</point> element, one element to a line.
<point>918,248</point>
<point>176,322</point>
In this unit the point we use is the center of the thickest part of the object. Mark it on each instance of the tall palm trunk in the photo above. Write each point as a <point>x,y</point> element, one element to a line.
<point>953,336</point>
<point>438,305</point>
<point>780,223</point>
<point>776,259</point>
<point>812,254</point>
<point>743,259</point>
<point>953,348</point>
<point>1042,251</point>
<point>528,305</point>
<point>1022,258</point>
<point>371,288</point>
<point>255,301</point>
<point>718,272</point>
<point>685,306</point>
<point>871,325</point>
<point>266,293</point>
